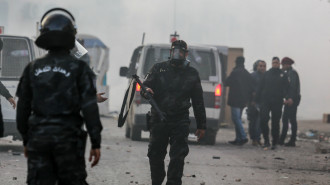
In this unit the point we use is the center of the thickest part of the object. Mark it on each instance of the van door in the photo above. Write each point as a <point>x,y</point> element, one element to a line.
<point>14,56</point>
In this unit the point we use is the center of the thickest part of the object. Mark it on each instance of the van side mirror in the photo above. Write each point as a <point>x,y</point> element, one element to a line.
<point>123,71</point>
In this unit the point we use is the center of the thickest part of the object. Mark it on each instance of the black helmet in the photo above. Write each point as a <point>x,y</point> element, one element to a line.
<point>57,30</point>
<point>179,44</point>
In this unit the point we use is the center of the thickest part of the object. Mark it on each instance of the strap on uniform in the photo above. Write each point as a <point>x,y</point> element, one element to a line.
<point>122,119</point>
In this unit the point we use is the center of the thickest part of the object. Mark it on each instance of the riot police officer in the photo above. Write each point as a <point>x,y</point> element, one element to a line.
<point>173,84</point>
<point>52,92</point>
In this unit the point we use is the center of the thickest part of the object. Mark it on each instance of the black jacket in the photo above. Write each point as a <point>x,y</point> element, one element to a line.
<point>294,86</point>
<point>241,86</point>
<point>257,76</point>
<point>174,88</point>
<point>273,87</point>
<point>52,92</point>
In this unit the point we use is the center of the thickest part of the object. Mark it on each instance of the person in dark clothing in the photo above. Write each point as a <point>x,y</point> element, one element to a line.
<point>292,101</point>
<point>272,90</point>
<point>253,110</point>
<point>5,93</point>
<point>241,88</point>
<point>52,92</point>
<point>173,84</point>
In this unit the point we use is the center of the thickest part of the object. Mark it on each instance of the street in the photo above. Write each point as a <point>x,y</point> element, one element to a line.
<point>125,162</point>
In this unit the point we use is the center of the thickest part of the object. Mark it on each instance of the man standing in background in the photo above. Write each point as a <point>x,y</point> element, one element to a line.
<point>253,111</point>
<point>240,92</point>
<point>291,102</point>
<point>272,90</point>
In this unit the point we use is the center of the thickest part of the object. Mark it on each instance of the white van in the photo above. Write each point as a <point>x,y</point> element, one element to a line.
<point>206,59</point>
<point>16,53</point>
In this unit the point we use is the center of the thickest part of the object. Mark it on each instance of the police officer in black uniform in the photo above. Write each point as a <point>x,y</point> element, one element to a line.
<point>53,91</point>
<point>271,93</point>
<point>173,84</point>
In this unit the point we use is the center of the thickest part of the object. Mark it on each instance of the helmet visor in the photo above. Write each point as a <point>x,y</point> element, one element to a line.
<point>78,51</point>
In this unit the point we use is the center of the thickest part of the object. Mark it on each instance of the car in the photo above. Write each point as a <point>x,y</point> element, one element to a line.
<point>207,60</point>
<point>16,53</point>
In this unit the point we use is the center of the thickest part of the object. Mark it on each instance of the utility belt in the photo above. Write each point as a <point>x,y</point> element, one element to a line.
<point>153,118</point>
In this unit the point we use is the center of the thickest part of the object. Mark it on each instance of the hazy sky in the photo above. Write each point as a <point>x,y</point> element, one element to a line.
<point>299,29</point>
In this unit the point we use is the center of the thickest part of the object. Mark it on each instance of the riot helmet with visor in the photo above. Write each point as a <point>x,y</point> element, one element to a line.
<point>57,30</point>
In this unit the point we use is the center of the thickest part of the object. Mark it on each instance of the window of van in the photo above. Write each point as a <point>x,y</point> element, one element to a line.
<point>202,60</point>
<point>15,55</point>
<point>155,55</point>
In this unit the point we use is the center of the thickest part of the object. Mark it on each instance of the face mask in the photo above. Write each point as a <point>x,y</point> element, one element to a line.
<point>177,55</point>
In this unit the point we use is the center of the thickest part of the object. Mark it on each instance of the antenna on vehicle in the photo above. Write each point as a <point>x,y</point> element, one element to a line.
<point>143,38</point>
<point>174,15</point>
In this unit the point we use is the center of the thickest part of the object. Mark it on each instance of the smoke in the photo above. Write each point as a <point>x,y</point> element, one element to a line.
<point>298,29</point>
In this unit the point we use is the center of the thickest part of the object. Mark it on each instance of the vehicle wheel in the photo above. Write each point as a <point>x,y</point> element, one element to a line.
<point>128,131</point>
<point>209,138</point>
<point>135,133</point>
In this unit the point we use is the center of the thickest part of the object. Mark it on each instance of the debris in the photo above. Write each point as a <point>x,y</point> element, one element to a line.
<point>238,180</point>
<point>16,153</point>
<point>225,176</point>
<point>190,176</point>
<point>284,177</point>
<point>128,172</point>
<point>108,147</point>
<point>202,183</point>
<point>216,157</point>
<point>279,158</point>
<point>311,133</point>
<point>14,178</point>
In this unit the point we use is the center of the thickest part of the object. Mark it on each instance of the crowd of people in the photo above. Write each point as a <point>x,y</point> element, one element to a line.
<point>264,93</point>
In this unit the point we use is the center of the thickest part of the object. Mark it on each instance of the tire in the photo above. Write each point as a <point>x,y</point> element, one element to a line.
<point>209,138</point>
<point>135,133</point>
<point>127,131</point>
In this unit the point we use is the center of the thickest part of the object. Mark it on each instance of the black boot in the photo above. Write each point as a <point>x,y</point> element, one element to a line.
<point>290,144</point>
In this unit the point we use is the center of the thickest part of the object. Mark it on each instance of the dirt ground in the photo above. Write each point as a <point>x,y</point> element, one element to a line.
<point>125,162</point>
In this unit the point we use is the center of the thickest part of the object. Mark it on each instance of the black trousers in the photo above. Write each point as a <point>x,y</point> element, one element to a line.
<point>2,129</point>
<point>289,115</point>
<point>51,162</point>
<point>161,134</point>
<point>276,111</point>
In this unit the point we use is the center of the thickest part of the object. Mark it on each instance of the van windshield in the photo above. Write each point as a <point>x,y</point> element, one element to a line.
<point>202,60</point>
<point>15,55</point>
